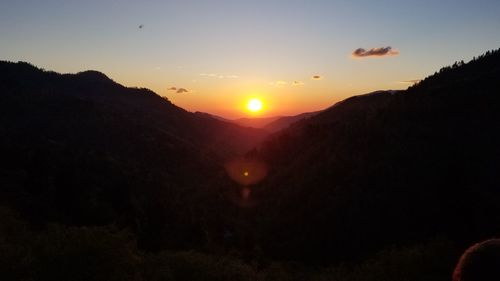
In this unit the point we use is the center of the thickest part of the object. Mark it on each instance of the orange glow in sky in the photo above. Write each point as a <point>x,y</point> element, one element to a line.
<point>213,56</point>
<point>254,105</point>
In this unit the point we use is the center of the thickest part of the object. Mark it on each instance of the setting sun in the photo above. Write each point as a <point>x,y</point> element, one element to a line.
<point>254,105</point>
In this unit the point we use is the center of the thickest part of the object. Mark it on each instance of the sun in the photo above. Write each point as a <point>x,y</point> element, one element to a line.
<point>254,105</point>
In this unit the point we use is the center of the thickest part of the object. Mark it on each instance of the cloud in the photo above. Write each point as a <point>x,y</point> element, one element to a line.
<point>220,76</point>
<point>179,90</point>
<point>297,83</point>
<point>316,77</point>
<point>375,52</point>
<point>208,74</point>
<point>410,81</point>
<point>182,90</point>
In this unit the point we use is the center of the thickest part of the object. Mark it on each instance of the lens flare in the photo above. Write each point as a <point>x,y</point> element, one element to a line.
<point>246,172</point>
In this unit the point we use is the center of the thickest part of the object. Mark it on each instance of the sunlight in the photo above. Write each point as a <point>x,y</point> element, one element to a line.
<point>254,105</point>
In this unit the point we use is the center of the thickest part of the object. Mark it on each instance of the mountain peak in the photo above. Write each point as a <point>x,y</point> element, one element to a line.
<point>93,76</point>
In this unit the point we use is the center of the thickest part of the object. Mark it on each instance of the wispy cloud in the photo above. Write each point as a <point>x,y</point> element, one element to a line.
<point>317,77</point>
<point>208,74</point>
<point>220,76</point>
<point>297,83</point>
<point>375,52</point>
<point>410,81</point>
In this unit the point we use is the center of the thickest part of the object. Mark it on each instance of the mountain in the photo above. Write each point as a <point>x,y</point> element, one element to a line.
<point>285,121</point>
<point>99,181</point>
<point>80,149</point>
<point>270,124</point>
<point>221,138</point>
<point>387,168</point>
<point>208,115</point>
<point>255,122</point>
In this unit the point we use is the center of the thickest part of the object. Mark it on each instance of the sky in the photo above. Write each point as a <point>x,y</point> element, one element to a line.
<point>214,55</point>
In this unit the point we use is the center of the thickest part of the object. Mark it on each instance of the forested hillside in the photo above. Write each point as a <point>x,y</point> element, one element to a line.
<point>103,182</point>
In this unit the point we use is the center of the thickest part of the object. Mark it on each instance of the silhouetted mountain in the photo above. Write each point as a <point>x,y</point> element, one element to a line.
<point>83,150</point>
<point>285,121</point>
<point>387,168</point>
<point>255,122</point>
<point>204,114</point>
<point>94,87</point>
<point>270,124</point>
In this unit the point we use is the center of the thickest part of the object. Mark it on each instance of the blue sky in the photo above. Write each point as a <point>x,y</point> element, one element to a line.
<point>224,52</point>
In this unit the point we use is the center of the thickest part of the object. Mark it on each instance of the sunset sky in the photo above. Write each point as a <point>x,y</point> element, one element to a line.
<point>296,56</point>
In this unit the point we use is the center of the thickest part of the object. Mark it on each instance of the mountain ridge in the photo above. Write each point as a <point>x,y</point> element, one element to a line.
<point>270,124</point>
<point>96,87</point>
<point>402,166</point>
<point>80,149</point>
<point>371,180</point>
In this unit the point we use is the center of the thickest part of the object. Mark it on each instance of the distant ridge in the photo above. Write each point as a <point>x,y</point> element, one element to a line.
<point>270,124</point>
<point>258,122</point>
<point>285,121</point>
